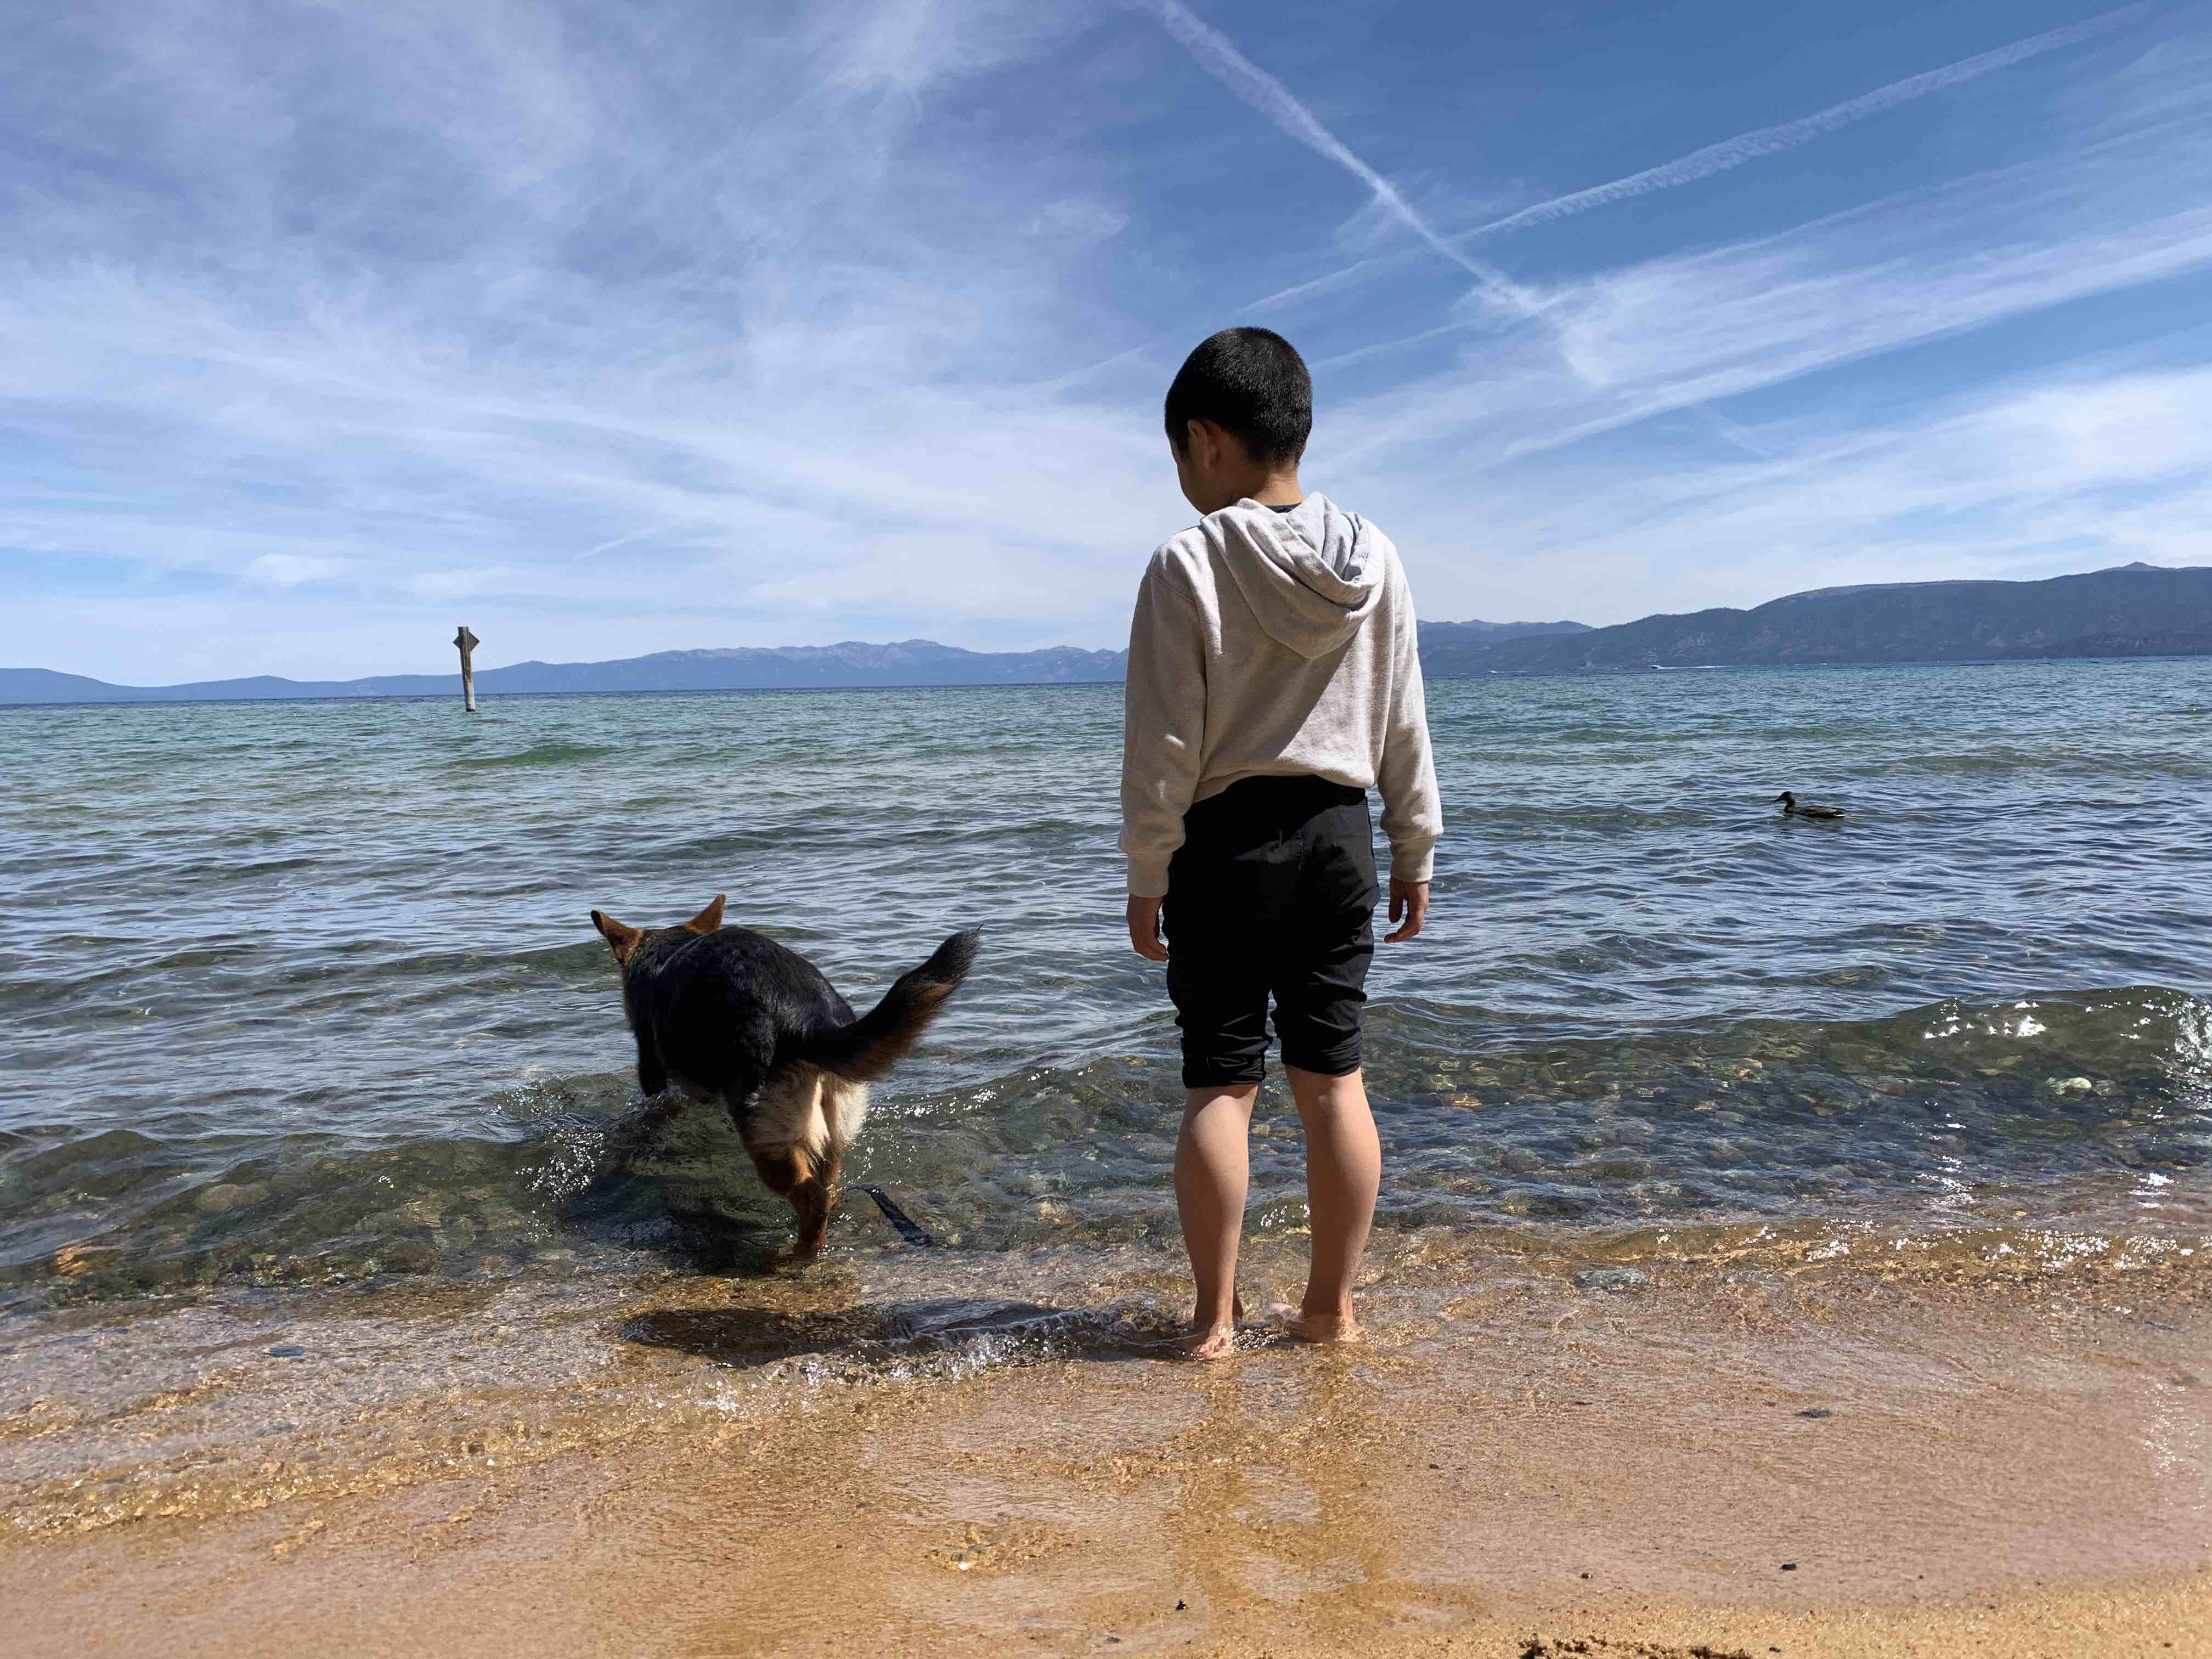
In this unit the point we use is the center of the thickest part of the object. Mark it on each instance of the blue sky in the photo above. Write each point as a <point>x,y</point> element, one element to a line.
<point>612,329</point>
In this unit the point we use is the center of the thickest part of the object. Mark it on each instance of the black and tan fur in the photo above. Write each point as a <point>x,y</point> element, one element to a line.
<point>729,1016</point>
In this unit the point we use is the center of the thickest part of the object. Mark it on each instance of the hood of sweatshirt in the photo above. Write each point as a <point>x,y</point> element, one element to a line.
<point>1311,575</point>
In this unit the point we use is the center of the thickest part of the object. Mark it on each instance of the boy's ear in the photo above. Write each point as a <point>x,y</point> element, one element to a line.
<point>621,938</point>
<point>1214,446</point>
<point>709,920</point>
<point>1201,438</point>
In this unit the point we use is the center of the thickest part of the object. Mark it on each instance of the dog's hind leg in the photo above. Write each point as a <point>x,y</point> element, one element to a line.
<point>844,1109</point>
<point>792,1175</point>
<point>792,1145</point>
<point>810,1200</point>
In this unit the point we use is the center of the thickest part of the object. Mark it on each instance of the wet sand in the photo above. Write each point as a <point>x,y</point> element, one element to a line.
<point>1765,1453</point>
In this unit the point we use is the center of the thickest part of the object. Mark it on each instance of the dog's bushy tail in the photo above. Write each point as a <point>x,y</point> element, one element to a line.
<point>878,1040</point>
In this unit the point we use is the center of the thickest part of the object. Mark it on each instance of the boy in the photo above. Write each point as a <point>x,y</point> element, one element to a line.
<point>1273,678</point>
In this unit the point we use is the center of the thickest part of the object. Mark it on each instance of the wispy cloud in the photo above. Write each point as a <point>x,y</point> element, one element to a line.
<point>465,584</point>
<point>1078,222</point>
<point>290,569</point>
<point>1220,58</point>
<point>1789,135</point>
<point>2098,468</point>
<point>1668,333</point>
<point>1727,153</point>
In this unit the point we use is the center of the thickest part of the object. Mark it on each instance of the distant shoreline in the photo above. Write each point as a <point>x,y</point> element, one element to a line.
<point>2133,612</point>
<point>1629,672</point>
<point>486,699</point>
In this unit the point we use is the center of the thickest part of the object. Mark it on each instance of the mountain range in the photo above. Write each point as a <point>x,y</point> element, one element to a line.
<point>909,662</point>
<point>2133,611</point>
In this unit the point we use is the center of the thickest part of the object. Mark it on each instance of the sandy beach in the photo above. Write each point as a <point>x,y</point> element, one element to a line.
<point>1767,1454</point>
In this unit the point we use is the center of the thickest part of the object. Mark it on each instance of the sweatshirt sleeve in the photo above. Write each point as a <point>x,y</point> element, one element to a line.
<point>1164,728</point>
<point>1412,812</point>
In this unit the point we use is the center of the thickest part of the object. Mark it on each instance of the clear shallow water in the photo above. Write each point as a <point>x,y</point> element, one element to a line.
<point>301,992</point>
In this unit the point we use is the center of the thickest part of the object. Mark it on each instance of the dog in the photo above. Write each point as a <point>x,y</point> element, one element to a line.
<point>731,1017</point>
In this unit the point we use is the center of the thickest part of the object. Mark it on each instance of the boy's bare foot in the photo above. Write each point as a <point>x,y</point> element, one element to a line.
<point>1322,1328</point>
<point>1213,1341</point>
<point>1329,1327</point>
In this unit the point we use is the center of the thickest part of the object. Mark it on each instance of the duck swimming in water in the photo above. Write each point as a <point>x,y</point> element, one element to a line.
<point>1791,809</point>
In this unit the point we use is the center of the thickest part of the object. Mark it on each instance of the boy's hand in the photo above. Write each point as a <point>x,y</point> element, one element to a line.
<point>1145,929</point>
<point>1409,901</point>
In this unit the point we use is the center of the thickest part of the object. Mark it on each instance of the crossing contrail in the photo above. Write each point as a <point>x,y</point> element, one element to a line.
<point>1264,93</point>
<point>1767,141</point>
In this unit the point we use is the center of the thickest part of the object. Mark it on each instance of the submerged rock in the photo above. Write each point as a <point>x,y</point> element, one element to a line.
<point>1614,1281</point>
<point>226,1196</point>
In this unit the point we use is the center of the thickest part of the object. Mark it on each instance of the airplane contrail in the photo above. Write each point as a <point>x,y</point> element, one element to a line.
<point>1788,135</point>
<point>1317,285</point>
<point>650,531</point>
<point>1265,93</point>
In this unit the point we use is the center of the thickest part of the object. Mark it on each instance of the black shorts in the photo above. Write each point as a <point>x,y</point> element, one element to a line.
<point>1272,892</point>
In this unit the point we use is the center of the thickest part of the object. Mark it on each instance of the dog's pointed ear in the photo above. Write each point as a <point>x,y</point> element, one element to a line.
<point>709,920</point>
<point>621,938</point>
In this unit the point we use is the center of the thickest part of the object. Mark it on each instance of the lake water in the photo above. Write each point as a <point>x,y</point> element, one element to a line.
<point>301,993</point>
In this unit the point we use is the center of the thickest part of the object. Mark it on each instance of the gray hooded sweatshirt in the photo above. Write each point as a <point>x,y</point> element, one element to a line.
<point>1272,644</point>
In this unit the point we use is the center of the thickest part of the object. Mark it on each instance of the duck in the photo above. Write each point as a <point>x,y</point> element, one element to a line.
<point>1791,809</point>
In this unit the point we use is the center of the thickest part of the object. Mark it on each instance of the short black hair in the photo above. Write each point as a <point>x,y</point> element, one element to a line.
<point>1251,383</point>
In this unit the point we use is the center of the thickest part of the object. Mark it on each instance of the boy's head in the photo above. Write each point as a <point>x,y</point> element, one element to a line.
<point>1238,414</point>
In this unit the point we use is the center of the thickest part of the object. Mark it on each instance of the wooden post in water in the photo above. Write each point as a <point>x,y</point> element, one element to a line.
<point>468,643</point>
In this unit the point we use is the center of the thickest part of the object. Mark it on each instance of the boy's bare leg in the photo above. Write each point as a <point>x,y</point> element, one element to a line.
<point>1212,1172</point>
<point>1343,1171</point>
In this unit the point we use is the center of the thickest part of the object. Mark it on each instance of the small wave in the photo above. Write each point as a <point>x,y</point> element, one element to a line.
<point>943,1338</point>
<point>543,754</point>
